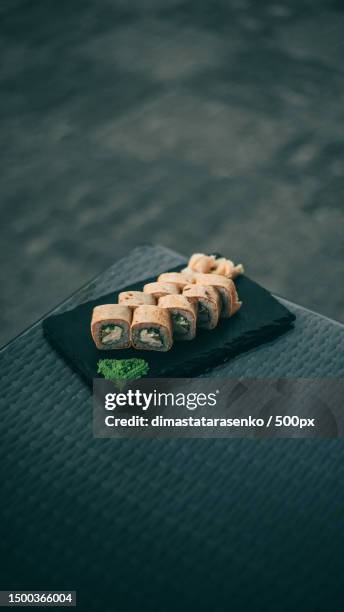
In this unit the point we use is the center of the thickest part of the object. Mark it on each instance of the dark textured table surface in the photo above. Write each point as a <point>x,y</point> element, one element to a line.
<point>214,125</point>
<point>165,525</point>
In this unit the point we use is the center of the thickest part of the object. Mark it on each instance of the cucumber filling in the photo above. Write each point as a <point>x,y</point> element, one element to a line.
<point>110,333</point>
<point>150,336</point>
<point>180,323</point>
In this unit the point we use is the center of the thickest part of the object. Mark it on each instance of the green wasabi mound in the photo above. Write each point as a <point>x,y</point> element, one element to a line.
<point>120,371</point>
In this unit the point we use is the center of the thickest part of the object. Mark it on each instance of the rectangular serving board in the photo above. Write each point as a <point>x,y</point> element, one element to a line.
<point>260,319</point>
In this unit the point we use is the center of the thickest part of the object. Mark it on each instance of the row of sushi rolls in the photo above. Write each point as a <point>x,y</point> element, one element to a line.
<point>171,308</point>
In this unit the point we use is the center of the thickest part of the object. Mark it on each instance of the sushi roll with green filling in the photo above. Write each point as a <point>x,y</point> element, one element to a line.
<point>151,329</point>
<point>110,326</point>
<point>183,315</point>
<point>208,303</point>
<point>227,290</point>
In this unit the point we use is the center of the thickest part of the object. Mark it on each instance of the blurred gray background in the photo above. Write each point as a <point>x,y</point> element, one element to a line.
<point>198,125</point>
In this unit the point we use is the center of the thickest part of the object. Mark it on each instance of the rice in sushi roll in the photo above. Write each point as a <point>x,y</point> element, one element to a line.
<point>151,329</point>
<point>208,304</point>
<point>110,326</point>
<point>183,315</point>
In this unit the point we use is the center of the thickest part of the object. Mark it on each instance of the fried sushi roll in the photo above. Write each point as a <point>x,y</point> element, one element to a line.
<point>227,290</point>
<point>208,303</point>
<point>158,290</point>
<point>180,279</point>
<point>136,298</point>
<point>110,326</point>
<point>183,315</point>
<point>151,329</point>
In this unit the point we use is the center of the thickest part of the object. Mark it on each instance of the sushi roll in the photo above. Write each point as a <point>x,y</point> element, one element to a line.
<point>225,267</point>
<point>110,326</point>
<point>183,315</point>
<point>151,329</point>
<point>136,298</point>
<point>158,289</point>
<point>226,288</point>
<point>208,303</point>
<point>180,279</point>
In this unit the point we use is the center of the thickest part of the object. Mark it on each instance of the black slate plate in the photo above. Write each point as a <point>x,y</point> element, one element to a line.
<point>260,319</point>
